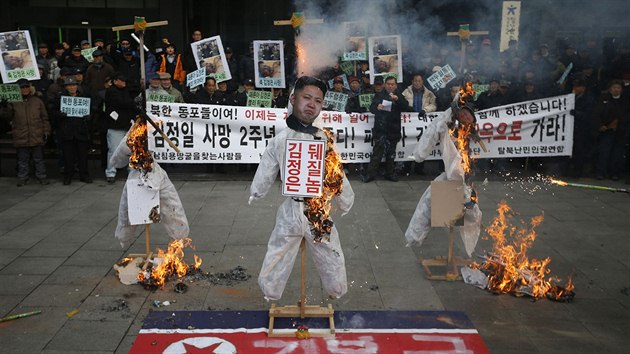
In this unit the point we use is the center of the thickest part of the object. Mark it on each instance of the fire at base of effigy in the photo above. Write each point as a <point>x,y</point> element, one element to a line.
<point>508,270</point>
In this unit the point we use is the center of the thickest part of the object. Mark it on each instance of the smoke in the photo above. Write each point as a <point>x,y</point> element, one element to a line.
<point>421,25</point>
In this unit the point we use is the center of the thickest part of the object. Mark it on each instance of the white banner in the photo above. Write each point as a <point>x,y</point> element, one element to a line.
<point>510,22</point>
<point>303,168</point>
<point>228,134</point>
<point>269,71</point>
<point>18,57</point>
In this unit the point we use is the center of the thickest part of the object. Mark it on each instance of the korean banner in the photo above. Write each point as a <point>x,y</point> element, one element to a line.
<point>303,169</point>
<point>227,134</point>
<point>209,53</point>
<point>159,96</point>
<point>10,92</point>
<point>196,78</point>
<point>75,106</point>
<point>356,34</point>
<point>510,22</point>
<point>259,98</point>
<point>270,69</point>
<point>335,101</point>
<point>385,57</point>
<point>442,77</point>
<point>18,57</point>
<point>365,100</point>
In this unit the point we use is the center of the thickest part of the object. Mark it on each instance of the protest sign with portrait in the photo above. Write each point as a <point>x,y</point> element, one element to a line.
<point>269,71</point>
<point>385,57</point>
<point>18,57</point>
<point>209,53</point>
<point>356,46</point>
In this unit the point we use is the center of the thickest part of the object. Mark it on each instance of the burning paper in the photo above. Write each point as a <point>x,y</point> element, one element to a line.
<point>168,264</point>
<point>508,268</point>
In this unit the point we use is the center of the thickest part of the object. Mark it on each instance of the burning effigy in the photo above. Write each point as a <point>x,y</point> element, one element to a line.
<point>453,129</point>
<point>146,174</point>
<point>508,270</point>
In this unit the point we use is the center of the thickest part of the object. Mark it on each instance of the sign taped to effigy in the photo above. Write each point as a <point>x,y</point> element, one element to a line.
<point>143,202</point>
<point>75,106</point>
<point>269,72</point>
<point>18,57</point>
<point>230,134</point>
<point>442,77</point>
<point>10,92</point>
<point>385,57</point>
<point>209,53</point>
<point>303,168</point>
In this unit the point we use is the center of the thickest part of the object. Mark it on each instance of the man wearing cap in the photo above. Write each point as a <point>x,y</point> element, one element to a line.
<point>43,56</point>
<point>119,114</point>
<point>233,65</point>
<point>155,86</point>
<point>75,59</point>
<point>97,72</point>
<point>491,98</point>
<point>129,66</point>
<point>30,129</point>
<point>74,134</point>
<point>165,80</point>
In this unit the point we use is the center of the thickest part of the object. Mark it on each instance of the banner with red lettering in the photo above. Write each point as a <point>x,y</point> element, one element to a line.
<point>303,168</point>
<point>228,134</point>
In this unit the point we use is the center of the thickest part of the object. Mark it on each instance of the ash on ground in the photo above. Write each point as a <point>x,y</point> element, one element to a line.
<point>230,278</point>
<point>118,305</point>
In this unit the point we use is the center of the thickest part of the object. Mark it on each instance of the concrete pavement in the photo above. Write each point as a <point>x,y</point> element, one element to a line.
<point>57,249</point>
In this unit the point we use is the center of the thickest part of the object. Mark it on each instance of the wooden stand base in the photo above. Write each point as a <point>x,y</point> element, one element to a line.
<point>301,309</point>
<point>451,263</point>
<point>149,255</point>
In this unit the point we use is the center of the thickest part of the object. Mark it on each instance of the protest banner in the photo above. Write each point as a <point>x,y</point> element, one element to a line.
<point>259,98</point>
<point>229,134</point>
<point>209,53</point>
<point>335,101</point>
<point>355,48</point>
<point>510,23</point>
<point>88,53</point>
<point>75,106</point>
<point>347,67</point>
<point>10,92</point>
<point>442,77</point>
<point>269,71</point>
<point>385,57</point>
<point>303,168</point>
<point>196,78</point>
<point>18,57</point>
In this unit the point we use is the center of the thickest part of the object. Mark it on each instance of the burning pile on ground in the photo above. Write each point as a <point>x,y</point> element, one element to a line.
<point>508,269</point>
<point>169,264</point>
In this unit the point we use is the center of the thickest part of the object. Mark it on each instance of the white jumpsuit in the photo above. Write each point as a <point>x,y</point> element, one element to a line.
<point>172,213</point>
<point>291,226</point>
<point>420,223</point>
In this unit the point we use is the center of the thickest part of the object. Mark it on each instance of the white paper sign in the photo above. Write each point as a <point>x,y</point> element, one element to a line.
<point>143,202</point>
<point>196,78</point>
<point>209,53</point>
<point>303,170</point>
<point>75,106</point>
<point>440,78</point>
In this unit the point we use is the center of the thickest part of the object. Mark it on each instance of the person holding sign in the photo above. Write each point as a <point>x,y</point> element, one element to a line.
<point>386,107</point>
<point>291,223</point>
<point>73,130</point>
<point>30,129</point>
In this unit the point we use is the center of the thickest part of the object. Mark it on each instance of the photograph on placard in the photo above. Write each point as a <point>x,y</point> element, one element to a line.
<point>18,57</point>
<point>356,46</point>
<point>209,53</point>
<point>269,70</point>
<point>385,57</point>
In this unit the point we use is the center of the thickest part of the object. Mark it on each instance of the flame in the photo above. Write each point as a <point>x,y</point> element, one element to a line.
<point>300,52</point>
<point>466,93</point>
<point>508,267</point>
<point>172,263</point>
<point>137,141</point>
<point>558,182</point>
<point>462,134</point>
<point>317,209</point>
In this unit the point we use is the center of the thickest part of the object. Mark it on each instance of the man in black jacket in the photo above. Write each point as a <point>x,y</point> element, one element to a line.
<point>386,107</point>
<point>120,112</point>
<point>208,94</point>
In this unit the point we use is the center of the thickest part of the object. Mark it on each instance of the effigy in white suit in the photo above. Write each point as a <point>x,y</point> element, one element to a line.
<point>292,226</point>
<point>172,214</point>
<point>420,223</point>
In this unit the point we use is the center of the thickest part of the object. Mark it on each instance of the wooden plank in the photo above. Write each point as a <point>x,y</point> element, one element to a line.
<point>149,24</point>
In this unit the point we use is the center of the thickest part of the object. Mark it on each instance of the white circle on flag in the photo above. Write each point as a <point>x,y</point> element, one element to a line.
<point>223,347</point>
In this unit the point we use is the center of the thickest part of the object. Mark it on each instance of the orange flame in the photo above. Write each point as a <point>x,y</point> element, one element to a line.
<point>172,264</point>
<point>558,182</point>
<point>462,133</point>
<point>466,92</point>
<point>509,268</point>
<point>317,209</point>
<point>137,141</point>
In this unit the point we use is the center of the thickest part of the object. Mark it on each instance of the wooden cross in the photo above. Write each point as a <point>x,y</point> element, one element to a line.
<point>464,34</point>
<point>297,20</point>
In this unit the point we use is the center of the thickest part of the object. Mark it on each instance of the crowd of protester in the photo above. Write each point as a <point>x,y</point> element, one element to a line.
<point>599,78</point>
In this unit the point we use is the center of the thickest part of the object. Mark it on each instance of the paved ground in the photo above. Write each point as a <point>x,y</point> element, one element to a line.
<point>57,249</point>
